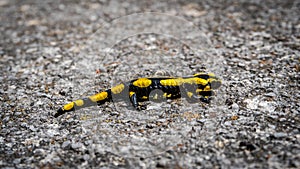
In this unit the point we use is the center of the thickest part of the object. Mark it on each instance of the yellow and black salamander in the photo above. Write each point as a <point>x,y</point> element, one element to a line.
<point>199,87</point>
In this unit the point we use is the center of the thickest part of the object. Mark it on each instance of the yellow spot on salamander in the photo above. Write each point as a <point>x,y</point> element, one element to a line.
<point>131,93</point>
<point>198,90</point>
<point>117,89</point>
<point>142,82</point>
<point>68,106</point>
<point>155,97</point>
<point>166,95</point>
<point>79,102</point>
<point>190,94</point>
<point>99,96</point>
<point>201,81</point>
<point>144,97</point>
<point>207,88</point>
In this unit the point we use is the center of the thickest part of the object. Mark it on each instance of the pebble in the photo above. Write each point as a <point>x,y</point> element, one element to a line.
<point>6,119</point>
<point>17,161</point>
<point>18,113</point>
<point>280,134</point>
<point>32,128</point>
<point>52,132</point>
<point>86,157</point>
<point>271,94</point>
<point>235,106</point>
<point>228,123</point>
<point>76,145</point>
<point>66,144</point>
<point>31,50</point>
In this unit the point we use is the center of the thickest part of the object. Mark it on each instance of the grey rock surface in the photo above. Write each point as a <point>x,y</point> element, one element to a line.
<point>52,52</point>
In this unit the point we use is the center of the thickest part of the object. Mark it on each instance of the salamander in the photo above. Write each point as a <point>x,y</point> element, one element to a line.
<point>198,87</point>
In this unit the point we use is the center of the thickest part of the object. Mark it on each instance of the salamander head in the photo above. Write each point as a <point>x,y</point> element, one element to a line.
<point>211,78</point>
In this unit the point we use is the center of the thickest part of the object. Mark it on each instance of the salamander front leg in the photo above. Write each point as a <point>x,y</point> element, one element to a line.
<point>193,98</point>
<point>134,102</point>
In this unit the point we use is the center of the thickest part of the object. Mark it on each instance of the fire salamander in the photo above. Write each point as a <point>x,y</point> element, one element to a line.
<point>200,86</point>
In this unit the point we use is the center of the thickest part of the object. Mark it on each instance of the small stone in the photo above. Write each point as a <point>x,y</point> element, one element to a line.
<point>33,22</point>
<point>31,50</point>
<point>86,157</point>
<point>93,17</point>
<point>219,144</point>
<point>76,145</point>
<point>114,113</point>
<point>228,123</point>
<point>282,119</point>
<point>52,132</point>
<point>241,64</point>
<point>280,135</point>
<point>256,43</point>
<point>6,119</point>
<point>17,161</point>
<point>66,144</point>
<point>18,113</point>
<point>271,94</point>
<point>235,106</point>
<point>39,152</point>
<point>161,164</point>
<point>32,128</point>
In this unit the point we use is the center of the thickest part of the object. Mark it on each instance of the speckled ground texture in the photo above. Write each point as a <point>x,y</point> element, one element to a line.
<point>53,52</point>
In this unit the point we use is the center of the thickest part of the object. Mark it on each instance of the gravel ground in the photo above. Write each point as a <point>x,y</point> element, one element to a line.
<point>55,51</point>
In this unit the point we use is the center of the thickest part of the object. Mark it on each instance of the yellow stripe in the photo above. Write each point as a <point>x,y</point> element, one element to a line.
<point>201,81</point>
<point>142,82</point>
<point>117,89</point>
<point>195,80</point>
<point>68,106</point>
<point>168,82</point>
<point>172,82</point>
<point>189,80</point>
<point>99,96</point>
<point>79,102</point>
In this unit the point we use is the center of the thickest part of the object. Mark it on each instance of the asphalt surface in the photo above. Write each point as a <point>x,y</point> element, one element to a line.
<point>53,52</point>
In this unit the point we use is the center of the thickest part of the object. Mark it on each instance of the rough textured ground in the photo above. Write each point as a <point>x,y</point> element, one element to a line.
<point>55,51</point>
